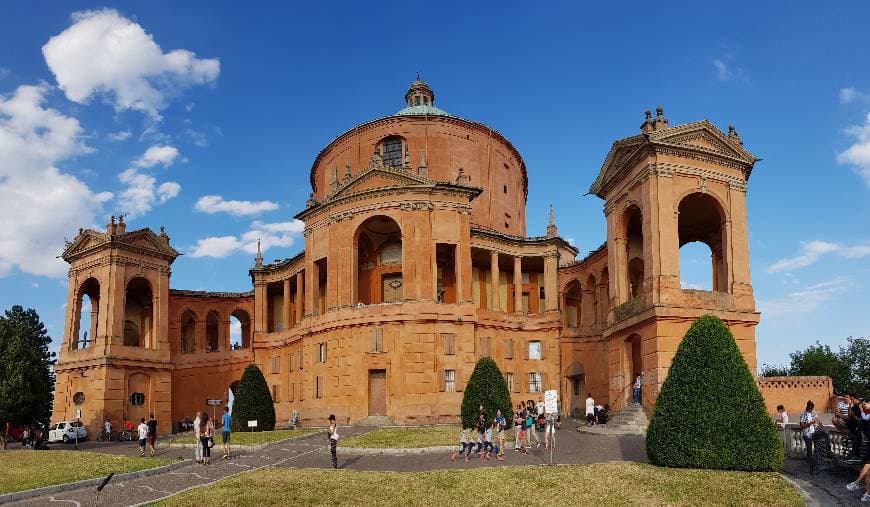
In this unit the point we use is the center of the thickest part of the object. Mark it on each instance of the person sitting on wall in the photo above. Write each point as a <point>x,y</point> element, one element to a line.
<point>841,414</point>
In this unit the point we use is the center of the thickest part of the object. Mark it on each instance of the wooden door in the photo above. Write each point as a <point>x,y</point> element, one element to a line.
<point>392,288</point>
<point>377,392</point>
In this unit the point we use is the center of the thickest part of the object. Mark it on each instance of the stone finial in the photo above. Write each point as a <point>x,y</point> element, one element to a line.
<point>647,125</point>
<point>462,178</point>
<point>81,230</point>
<point>552,230</point>
<point>121,228</point>
<point>163,235</point>
<point>258,260</point>
<point>333,184</point>
<point>660,123</point>
<point>346,170</point>
<point>110,227</point>
<point>311,201</point>
<point>734,136</point>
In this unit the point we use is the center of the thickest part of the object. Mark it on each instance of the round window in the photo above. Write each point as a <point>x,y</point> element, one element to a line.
<point>137,399</point>
<point>79,398</point>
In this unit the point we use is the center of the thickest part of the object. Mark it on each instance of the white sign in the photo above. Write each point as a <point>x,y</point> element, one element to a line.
<point>213,402</point>
<point>551,398</point>
<point>252,424</point>
<point>78,413</point>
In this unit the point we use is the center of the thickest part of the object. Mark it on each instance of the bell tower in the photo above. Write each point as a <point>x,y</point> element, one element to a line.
<point>664,188</point>
<point>115,352</point>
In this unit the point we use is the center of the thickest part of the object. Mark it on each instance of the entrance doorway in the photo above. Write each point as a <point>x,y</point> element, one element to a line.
<point>634,364</point>
<point>377,392</point>
<point>577,383</point>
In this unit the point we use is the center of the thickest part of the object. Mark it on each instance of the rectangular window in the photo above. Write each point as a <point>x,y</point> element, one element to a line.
<point>450,381</point>
<point>290,363</point>
<point>484,347</point>
<point>318,387</point>
<point>321,352</point>
<point>541,294</point>
<point>276,365</point>
<point>534,349</point>
<point>448,343</point>
<point>377,344</point>
<point>504,187</point>
<point>290,391</point>
<point>274,393</point>
<point>526,278</point>
<point>509,348</point>
<point>509,378</point>
<point>534,382</point>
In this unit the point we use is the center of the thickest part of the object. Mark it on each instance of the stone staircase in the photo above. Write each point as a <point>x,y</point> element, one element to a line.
<point>631,420</point>
<point>376,420</point>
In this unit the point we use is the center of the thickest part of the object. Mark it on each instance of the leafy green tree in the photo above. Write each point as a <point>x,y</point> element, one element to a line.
<point>774,371</point>
<point>253,401</point>
<point>819,359</point>
<point>710,413</point>
<point>487,386</point>
<point>26,376</point>
<point>856,357</point>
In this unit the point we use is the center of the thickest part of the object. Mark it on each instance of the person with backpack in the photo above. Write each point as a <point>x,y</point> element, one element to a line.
<point>206,437</point>
<point>332,432</point>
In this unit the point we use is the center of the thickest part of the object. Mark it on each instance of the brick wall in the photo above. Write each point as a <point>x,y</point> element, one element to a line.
<point>793,393</point>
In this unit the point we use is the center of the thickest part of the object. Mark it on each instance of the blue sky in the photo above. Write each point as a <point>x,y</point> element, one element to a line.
<point>150,107</point>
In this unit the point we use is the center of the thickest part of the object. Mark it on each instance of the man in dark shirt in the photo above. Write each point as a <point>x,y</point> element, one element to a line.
<point>152,434</point>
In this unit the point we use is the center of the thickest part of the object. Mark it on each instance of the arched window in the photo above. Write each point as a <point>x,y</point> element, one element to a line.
<point>702,235</point>
<point>188,332</point>
<point>138,311</point>
<point>632,229</point>
<point>592,308</point>
<point>88,304</point>
<point>392,150</point>
<point>137,399</point>
<point>379,261</point>
<point>240,329</point>
<point>212,341</point>
<point>573,301</point>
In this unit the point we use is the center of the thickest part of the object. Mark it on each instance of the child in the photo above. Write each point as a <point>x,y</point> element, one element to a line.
<point>499,428</point>
<point>333,440</point>
<point>461,445</point>
<point>470,447</point>
<point>487,442</point>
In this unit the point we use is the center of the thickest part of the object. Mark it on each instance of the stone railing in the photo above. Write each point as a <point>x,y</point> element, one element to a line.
<point>840,446</point>
<point>629,308</point>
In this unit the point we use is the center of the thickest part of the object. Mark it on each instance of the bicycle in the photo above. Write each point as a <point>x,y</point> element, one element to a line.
<point>125,436</point>
<point>107,437</point>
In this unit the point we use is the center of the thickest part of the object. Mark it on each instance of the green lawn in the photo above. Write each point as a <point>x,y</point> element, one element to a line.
<point>404,438</point>
<point>600,484</point>
<point>35,469</point>
<point>246,438</point>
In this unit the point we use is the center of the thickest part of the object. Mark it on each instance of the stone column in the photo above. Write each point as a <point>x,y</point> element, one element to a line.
<point>463,259</point>
<point>494,295</point>
<point>285,310</point>
<point>518,285</point>
<point>551,282</point>
<point>261,302</point>
<point>95,316</point>
<point>621,272</point>
<point>300,299</point>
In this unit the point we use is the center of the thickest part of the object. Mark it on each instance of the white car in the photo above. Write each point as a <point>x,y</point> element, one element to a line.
<point>65,431</point>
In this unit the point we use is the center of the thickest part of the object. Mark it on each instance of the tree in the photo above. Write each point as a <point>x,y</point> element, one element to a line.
<point>856,359</point>
<point>486,386</point>
<point>253,402</point>
<point>26,377</point>
<point>710,413</point>
<point>819,359</point>
<point>768,370</point>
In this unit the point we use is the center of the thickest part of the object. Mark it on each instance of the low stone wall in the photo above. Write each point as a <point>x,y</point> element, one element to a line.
<point>793,393</point>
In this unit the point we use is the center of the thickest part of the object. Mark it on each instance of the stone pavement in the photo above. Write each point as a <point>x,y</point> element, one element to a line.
<point>832,484</point>
<point>310,452</point>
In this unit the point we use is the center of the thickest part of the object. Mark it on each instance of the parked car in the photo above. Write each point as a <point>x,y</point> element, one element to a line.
<point>65,431</point>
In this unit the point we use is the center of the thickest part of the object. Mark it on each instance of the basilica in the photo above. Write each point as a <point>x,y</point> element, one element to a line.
<point>416,263</point>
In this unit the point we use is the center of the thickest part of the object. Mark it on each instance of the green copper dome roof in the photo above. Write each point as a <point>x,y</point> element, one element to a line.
<point>422,110</point>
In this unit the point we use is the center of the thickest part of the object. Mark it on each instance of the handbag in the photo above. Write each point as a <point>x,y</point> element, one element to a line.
<point>210,442</point>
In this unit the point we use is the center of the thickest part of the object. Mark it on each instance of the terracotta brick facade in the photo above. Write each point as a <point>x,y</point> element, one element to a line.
<point>416,264</point>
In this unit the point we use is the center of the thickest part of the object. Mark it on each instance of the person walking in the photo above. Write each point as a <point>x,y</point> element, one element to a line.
<point>590,410</point>
<point>197,449</point>
<point>143,436</point>
<point>226,421</point>
<point>781,420</point>
<point>809,422</point>
<point>487,442</point>
<point>500,426</point>
<point>518,427</point>
<point>531,417</point>
<point>107,429</point>
<point>461,445</point>
<point>333,440</point>
<point>152,435</point>
<point>206,436</point>
<point>863,476</point>
<point>638,383</point>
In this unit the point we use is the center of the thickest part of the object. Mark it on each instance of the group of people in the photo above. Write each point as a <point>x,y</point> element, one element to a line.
<point>147,434</point>
<point>204,432</point>
<point>489,437</point>
<point>529,419</point>
<point>486,437</point>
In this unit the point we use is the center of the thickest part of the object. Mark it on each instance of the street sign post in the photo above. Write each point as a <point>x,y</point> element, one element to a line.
<point>551,406</point>
<point>213,403</point>
<point>252,425</point>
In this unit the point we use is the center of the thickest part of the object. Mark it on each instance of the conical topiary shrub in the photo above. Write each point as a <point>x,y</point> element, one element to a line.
<point>487,386</point>
<point>253,402</point>
<point>710,413</point>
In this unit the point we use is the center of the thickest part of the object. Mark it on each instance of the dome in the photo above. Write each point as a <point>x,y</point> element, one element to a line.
<point>422,110</point>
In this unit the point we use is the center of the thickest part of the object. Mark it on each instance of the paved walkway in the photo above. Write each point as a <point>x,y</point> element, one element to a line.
<point>307,452</point>
<point>832,484</point>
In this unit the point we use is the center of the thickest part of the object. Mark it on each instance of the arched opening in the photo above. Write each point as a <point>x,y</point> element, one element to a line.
<point>592,301</point>
<point>275,308</point>
<point>88,308</point>
<point>379,261</point>
<point>212,337</point>
<point>633,363</point>
<point>701,220</point>
<point>138,314</point>
<point>240,329</point>
<point>188,332</point>
<point>576,376</point>
<point>632,221</point>
<point>573,300</point>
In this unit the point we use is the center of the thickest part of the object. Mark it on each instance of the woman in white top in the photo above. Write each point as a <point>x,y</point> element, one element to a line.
<point>143,436</point>
<point>197,449</point>
<point>333,440</point>
<point>590,410</point>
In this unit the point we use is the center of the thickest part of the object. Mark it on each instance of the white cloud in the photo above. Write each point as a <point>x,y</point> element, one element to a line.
<point>805,300</point>
<point>723,73</point>
<point>39,203</point>
<point>216,204</point>
<point>276,234</point>
<point>851,94</point>
<point>196,137</point>
<point>4,72</point>
<point>811,251</point>
<point>163,155</point>
<point>858,154</point>
<point>121,135</point>
<point>728,70</point>
<point>104,53</point>
<point>168,190</point>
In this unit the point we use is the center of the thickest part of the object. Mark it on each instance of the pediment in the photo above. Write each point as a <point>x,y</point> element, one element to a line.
<point>143,240</point>
<point>84,241</point>
<point>702,136</point>
<point>377,178</point>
